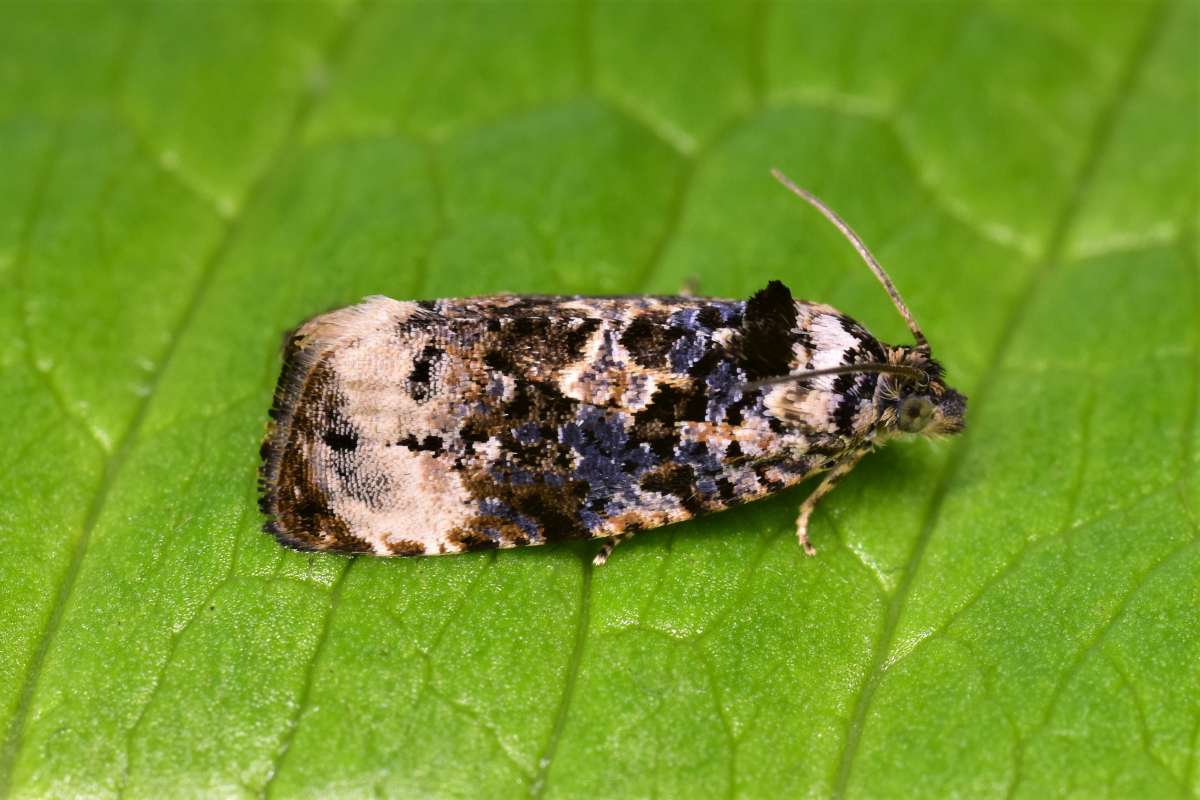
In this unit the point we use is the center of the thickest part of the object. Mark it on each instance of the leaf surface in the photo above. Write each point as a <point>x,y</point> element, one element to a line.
<point>1013,612</point>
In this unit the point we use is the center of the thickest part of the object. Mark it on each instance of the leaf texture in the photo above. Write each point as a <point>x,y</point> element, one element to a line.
<point>1013,613</point>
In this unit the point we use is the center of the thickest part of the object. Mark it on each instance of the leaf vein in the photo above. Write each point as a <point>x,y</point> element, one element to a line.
<point>1099,636</point>
<point>1032,546</point>
<point>537,787</point>
<point>309,677</point>
<point>118,456</point>
<point>1103,130</point>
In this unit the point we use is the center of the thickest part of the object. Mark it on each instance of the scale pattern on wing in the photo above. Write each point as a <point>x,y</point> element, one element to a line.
<point>440,426</point>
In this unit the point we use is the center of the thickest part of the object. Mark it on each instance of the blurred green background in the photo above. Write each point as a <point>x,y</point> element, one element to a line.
<point>1012,613</point>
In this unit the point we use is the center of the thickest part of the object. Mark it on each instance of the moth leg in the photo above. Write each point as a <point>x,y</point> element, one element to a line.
<point>839,471</point>
<point>690,287</point>
<point>609,545</point>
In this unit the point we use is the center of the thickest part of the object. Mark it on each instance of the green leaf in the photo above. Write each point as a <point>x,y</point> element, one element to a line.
<point>1014,612</point>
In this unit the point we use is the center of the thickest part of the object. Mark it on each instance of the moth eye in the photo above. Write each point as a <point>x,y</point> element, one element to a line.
<point>915,413</point>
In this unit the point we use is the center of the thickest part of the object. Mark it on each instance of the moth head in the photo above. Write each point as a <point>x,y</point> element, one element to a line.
<point>911,396</point>
<point>920,402</point>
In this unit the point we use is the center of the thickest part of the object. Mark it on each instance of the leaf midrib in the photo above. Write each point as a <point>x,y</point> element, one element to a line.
<point>1055,249</point>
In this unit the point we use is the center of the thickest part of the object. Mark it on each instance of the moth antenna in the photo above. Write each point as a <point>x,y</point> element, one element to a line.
<point>845,369</point>
<point>849,233</point>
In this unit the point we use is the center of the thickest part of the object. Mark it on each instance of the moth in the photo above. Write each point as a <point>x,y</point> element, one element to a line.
<point>441,426</point>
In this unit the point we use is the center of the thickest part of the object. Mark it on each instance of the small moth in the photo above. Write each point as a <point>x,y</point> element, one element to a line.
<point>440,426</point>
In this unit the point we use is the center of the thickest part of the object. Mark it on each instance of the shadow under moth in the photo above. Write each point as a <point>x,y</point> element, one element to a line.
<point>441,426</point>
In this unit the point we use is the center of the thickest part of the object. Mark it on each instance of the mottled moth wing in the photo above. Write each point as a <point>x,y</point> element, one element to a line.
<point>405,428</point>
